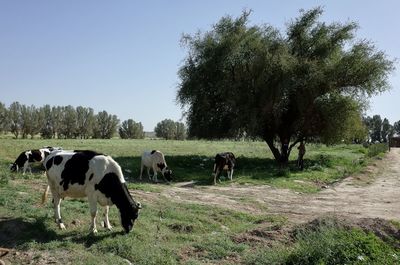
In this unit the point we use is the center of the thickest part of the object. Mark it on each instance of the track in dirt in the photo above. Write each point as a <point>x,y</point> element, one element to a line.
<point>374,193</point>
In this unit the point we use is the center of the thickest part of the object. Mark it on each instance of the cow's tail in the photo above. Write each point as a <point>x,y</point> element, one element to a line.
<point>45,193</point>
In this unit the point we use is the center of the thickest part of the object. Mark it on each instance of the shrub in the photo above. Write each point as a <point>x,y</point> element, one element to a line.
<point>376,149</point>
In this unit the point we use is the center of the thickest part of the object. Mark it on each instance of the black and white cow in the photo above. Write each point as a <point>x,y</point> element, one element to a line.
<point>156,161</point>
<point>28,157</point>
<point>224,161</point>
<point>89,174</point>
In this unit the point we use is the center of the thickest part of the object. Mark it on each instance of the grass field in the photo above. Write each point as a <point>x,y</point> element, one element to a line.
<point>193,160</point>
<point>167,232</point>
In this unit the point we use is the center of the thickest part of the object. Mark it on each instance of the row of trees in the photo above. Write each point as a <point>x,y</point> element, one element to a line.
<point>69,122</point>
<point>379,130</point>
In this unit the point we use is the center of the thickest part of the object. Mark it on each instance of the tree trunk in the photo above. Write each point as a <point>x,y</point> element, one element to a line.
<point>281,156</point>
<point>274,150</point>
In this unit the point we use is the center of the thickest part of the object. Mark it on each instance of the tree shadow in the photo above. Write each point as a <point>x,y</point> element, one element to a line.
<point>198,169</point>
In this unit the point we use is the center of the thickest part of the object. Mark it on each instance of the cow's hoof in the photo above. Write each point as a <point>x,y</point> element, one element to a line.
<point>62,226</point>
<point>94,231</point>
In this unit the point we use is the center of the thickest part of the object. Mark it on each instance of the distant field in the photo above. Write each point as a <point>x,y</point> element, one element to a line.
<point>166,232</point>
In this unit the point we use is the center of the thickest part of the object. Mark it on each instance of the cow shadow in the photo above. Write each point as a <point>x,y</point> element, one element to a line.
<point>17,233</point>
<point>197,170</point>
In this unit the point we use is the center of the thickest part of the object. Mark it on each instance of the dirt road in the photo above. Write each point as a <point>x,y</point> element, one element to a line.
<point>373,193</point>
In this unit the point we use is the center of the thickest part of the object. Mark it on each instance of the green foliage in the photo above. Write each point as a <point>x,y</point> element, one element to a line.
<point>170,130</point>
<point>85,120</point>
<point>4,120</point>
<point>376,149</point>
<point>235,80</point>
<point>130,129</point>
<point>396,127</point>
<point>106,125</point>
<point>376,124</point>
<point>386,128</point>
<point>58,122</point>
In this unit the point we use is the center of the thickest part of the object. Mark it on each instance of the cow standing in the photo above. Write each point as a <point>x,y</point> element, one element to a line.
<point>156,161</point>
<point>28,157</point>
<point>89,174</point>
<point>224,161</point>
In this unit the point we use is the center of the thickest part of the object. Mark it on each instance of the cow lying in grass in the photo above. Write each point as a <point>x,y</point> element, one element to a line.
<point>223,161</point>
<point>89,174</point>
<point>29,157</point>
<point>156,161</point>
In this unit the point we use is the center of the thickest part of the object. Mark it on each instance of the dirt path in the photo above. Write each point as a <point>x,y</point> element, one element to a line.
<point>352,197</point>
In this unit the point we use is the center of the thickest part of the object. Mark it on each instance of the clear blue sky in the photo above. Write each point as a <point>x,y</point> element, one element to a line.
<point>123,56</point>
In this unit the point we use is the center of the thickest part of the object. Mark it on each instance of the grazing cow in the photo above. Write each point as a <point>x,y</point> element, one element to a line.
<point>224,161</point>
<point>155,160</point>
<point>89,174</point>
<point>26,158</point>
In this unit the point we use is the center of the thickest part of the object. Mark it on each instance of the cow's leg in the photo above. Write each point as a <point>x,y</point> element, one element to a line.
<point>216,175</point>
<point>93,214</point>
<point>106,220</point>
<point>231,175</point>
<point>148,173</point>
<point>24,168</point>
<point>155,173</point>
<point>57,211</point>
<point>141,171</point>
<point>45,193</point>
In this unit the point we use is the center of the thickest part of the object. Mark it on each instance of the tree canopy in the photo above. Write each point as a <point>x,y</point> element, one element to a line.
<point>310,82</point>
<point>130,129</point>
<point>170,130</point>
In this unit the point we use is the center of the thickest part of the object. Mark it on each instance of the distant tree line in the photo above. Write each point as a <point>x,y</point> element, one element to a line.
<point>65,122</point>
<point>379,130</point>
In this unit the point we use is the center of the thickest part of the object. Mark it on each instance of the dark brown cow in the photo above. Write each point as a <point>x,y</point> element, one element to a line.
<point>224,161</point>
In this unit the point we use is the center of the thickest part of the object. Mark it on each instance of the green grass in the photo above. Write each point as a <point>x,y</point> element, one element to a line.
<point>193,160</point>
<point>329,243</point>
<point>161,235</point>
<point>166,232</point>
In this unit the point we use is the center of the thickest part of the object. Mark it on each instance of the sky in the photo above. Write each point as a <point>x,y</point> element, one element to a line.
<point>123,56</point>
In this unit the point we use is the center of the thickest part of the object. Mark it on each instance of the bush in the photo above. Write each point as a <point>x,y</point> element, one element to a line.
<point>376,149</point>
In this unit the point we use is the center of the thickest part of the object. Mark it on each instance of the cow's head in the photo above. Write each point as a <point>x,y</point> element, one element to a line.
<point>14,167</point>
<point>167,173</point>
<point>128,218</point>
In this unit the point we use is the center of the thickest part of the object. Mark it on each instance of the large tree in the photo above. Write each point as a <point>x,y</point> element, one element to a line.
<point>68,123</point>
<point>14,114</point>
<point>85,122</point>
<point>4,119</point>
<point>310,82</point>
<point>376,128</point>
<point>130,129</point>
<point>396,127</point>
<point>106,125</point>
<point>386,130</point>
<point>170,130</point>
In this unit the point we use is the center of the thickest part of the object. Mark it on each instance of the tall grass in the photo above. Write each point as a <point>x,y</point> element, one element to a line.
<point>329,243</point>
